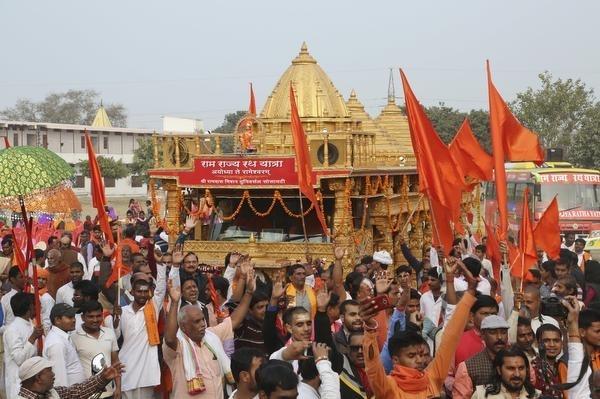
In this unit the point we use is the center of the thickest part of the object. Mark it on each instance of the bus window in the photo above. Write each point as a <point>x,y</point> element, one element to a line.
<point>537,192</point>
<point>490,190</point>
<point>520,189</point>
<point>510,191</point>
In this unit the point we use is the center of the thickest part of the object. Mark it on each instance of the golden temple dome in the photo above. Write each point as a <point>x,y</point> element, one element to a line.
<point>317,97</point>
<point>101,119</point>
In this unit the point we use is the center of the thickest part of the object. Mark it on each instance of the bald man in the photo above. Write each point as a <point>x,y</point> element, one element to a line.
<point>58,272</point>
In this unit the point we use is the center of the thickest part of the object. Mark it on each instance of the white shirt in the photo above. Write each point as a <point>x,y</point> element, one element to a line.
<point>141,359</point>
<point>6,308</point>
<point>88,346</point>
<point>232,396</point>
<point>47,303</point>
<point>487,265</point>
<point>65,294</point>
<point>484,286</point>
<point>330,384</point>
<point>59,349</point>
<point>17,349</point>
<point>93,267</point>
<point>582,389</point>
<point>430,307</point>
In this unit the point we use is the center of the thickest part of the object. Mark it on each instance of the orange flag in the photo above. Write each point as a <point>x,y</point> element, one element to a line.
<point>511,141</point>
<point>469,156</point>
<point>252,107</point>
<point>305,174</point>
<point>493,251</point>
<point>98,198</point>
<point>18,255</point>
<point>547,231</point>
<point>527,251</point>
<point>439,177</point>
<point>119,269</point>
<point>6,143</point>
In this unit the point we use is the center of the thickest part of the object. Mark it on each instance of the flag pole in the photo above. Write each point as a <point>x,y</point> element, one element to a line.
<point>434,224</point>
<point>302,217</point>
<point>412,214</point>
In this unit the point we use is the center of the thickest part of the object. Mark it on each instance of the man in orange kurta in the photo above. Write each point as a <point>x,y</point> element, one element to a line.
<point>405,381</point>
<point>58,272</point>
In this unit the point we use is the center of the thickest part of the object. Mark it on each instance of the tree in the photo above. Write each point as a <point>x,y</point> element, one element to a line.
<point>585,147</point>
<point>73,107</point>
<point>108,166</point>
<point>143,158</point>
<point>557,111</point>
<point>228,127</point>
<point>447,120</point>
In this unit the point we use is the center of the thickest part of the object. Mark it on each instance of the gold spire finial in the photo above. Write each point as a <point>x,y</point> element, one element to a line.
<point>391,89</point>
<point>304,57</point>
<point>353,95</point>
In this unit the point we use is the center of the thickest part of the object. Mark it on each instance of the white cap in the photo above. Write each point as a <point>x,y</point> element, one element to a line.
<point>164,236</point>
<point>40,245</point>
<point>383,257</point>
<point>493,322</point>
<point>33,366</point>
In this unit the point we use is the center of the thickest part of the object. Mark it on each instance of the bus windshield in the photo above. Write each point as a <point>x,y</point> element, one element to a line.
<point>572,196</point>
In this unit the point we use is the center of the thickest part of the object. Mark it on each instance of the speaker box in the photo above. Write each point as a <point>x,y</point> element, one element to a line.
<point>336,152</point>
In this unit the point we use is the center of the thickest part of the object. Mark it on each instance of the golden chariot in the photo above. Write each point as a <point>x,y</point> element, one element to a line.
<point>365,171</point>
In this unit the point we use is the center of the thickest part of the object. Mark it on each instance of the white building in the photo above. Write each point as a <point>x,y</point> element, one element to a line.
<point>174,125</point>
<point>68,141</point>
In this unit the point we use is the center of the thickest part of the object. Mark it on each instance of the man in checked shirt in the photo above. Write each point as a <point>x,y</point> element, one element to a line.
<point>37,381</point>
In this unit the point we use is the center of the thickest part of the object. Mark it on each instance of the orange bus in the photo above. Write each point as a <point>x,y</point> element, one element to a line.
<point>577,191</point>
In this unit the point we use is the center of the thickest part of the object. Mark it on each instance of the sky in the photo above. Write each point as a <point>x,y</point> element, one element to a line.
<point>195,58</point>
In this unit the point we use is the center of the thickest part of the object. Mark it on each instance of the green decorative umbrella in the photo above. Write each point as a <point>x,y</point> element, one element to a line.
<point>26,171</point>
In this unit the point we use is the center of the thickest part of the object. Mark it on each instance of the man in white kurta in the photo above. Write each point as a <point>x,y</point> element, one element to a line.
<point>143,370</point>
<point>17,282</point>
<point>19,342</point>
<point>59,349</point>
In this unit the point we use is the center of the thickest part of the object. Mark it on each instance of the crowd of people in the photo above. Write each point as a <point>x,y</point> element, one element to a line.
<point>439,326</point>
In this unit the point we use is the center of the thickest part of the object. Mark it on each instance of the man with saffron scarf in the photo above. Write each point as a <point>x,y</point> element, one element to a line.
<point>299,293</point>
<point>194,352</point>
<point>406,381</point>
<point>139,328</point>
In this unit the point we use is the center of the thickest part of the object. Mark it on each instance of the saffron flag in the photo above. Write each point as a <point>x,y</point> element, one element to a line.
<point>547,231</point>
<point>98,198</point>
<point>118,269</point>
<point>469,156</point>
<point>6,143</point>
<point>305,173</point>
<point>18,255</point>
<point>493,251</point>
<point>527,251</point>
<point>439,177</point>
<point>252,107</point>
<point>510,142</point>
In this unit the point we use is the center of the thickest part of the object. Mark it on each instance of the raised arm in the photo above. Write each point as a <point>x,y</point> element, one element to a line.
<point>410,258</point>
<point>337,274</point>
<point>438,369</point>
<point>238,315</point>
<point>272,342</point>
<point>171,326</point>
<point>161,286</point>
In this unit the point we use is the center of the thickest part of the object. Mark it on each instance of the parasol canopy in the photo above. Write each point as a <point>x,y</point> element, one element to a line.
<point>57,200</point>
<point>29,171</point>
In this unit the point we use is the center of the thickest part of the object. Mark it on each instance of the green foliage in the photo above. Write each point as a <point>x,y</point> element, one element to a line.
<point>556,110</point>
<point>108,166</point>
<point>447,120</point>
<point>74,107</point>
<point>585,145</point>
<point>143,158</point>
<point>228,127</point>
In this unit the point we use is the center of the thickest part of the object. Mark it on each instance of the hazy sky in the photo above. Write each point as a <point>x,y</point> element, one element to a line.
<point>195,58</point>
